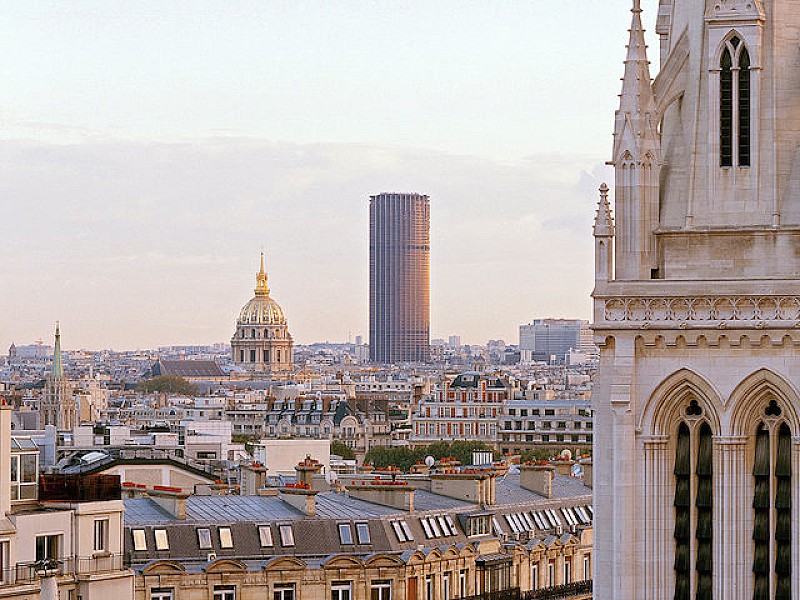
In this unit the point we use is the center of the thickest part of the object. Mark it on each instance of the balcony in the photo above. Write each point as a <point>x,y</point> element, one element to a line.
<point>576,589</point>
<point>27,573</point>
<point>509,594</point>
<point>79,488</point>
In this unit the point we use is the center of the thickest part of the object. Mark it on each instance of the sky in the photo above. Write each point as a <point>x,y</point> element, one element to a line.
<point>149,150</point>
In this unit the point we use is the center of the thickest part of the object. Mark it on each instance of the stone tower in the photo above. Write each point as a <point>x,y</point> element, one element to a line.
<point>57,406</point>
<point>697,312</point>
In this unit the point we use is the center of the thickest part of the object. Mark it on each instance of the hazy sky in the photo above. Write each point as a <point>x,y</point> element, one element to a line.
<point>149,149</point>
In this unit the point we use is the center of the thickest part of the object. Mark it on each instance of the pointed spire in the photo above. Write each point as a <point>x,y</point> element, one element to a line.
<point>58,365</point>
<point>636,101</point>
<point>262,286</point>
<point>603,221</point>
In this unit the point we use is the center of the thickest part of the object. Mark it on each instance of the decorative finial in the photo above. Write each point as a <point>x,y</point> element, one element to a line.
<point>603,221</point>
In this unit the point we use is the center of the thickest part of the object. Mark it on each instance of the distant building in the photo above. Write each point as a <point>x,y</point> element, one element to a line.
<point>57,406</point>
<point>262,342</point>
<point>399,276</point>
<point>466,409</point>
<point>550,340</point>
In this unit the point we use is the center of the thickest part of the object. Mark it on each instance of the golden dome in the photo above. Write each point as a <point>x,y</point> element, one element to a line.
<point>261,310</point>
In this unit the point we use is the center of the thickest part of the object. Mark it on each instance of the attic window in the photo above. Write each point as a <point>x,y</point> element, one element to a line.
<point>162,541</point>
<point>265,536</point>
<point>345,534</point>
<point>287,535</point>
<point>225,538</point>
<point>204,538</point>
<point>362,529</point>
<point>139,540</point>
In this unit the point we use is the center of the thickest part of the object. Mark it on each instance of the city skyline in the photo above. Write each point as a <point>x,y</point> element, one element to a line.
<point>143,230</point>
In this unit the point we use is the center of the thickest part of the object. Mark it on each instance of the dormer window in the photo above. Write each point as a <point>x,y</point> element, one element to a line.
<point>734,104</point>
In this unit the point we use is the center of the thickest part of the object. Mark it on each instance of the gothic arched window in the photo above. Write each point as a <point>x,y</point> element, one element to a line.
<point>734,105</point>
<point>693,509</point>
<point>772,504</point>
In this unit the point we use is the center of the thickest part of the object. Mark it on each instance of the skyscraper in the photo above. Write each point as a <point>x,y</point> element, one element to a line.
<point>399,278</point>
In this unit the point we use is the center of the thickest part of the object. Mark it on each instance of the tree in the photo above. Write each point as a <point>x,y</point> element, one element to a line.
<point>167,384</point>
<point>343,450</point>
<point>404,458</point>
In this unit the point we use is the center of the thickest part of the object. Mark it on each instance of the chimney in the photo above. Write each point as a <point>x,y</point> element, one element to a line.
<point>537,479</point>
<point>301,498</point>
<point>171,499</point>
<point>396,494</point>
<point>471,485</point>
<point>306,469</point>
<point>5,459</point>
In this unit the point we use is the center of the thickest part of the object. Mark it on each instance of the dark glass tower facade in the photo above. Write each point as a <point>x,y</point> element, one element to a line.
<point>399,278</point>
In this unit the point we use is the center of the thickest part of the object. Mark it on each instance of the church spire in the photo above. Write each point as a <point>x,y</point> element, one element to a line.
<point>637,162</point>
<point>58,365</point>
<point>603,221</point>
<point>262,286</point>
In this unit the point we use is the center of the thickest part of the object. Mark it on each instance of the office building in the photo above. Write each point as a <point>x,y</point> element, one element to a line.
<point>549,340</point>
<point>399,278</point>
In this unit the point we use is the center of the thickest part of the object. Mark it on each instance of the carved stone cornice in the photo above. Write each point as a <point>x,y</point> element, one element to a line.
<point>739,312</point>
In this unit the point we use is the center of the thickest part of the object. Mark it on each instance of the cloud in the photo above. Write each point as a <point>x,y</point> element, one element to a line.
<point>140,243</point>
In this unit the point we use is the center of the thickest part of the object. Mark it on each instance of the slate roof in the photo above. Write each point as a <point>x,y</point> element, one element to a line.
<point>188,369</point>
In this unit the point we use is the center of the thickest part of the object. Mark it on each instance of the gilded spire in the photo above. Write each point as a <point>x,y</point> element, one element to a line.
<point>58,365</point>
<point>262,287</point>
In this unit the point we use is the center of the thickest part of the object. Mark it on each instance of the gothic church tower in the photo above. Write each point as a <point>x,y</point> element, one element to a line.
<point>58,406</point>
<point>697,311</point>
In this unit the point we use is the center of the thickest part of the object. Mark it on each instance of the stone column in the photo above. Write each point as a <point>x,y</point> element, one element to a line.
<point>733,519</point>
<point>656,517</point>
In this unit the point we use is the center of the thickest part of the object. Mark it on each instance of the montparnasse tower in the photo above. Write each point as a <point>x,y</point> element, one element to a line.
<point>262,342</point>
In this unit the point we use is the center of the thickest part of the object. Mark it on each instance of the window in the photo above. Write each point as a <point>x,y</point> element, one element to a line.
<point>4,560</point>
<point>225,538</point>
<point>407,531</point>
<point>446,593</point>
<point>551,574</point>
<point>341,590</point>
<point>48,547</point>
<point>429,587</point>
<point>162,594</point>
<point>567,572</point>
<point>204,538</point>
<point>287,535</point>
<point>162,542</point>
<point>224,592</point>
<point>426,528</point>
<point>734,105</point>
<point>380,590</point>
<point>139,541</point>
<point>535,577</point>
<point>252,355</point>
<point>772,508</point>
<point>462,583</point>
<point>451,524</point>
<point>265,536</point>
<point>362,529</point>
<point>283,591</point>
<point>587,567</point>
<point>345,533</point>
<point>101,535</point>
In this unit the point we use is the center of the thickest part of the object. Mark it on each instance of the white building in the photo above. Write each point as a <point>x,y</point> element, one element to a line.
<point>696,307</point>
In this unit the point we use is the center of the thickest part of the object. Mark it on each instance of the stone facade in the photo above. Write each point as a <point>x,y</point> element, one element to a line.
<point>695,312</point>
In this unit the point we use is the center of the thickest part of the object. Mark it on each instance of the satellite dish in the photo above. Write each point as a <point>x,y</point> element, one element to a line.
<point>430,461</point>
<point>513,470</point>
<point>331,477</point>
<point>566,455</point>
<point>577,471</point>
